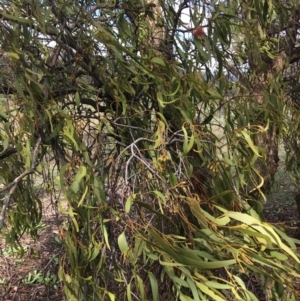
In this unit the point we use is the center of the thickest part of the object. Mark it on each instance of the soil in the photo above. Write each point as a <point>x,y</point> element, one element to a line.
<point>41,259</point>
<point>280,208</point>
<point>42,256</point>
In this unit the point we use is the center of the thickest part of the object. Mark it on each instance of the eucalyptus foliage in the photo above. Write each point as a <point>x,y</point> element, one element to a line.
<point>152,140</point>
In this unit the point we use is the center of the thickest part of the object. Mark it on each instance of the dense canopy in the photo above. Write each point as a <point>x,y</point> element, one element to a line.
<point>154,127</point>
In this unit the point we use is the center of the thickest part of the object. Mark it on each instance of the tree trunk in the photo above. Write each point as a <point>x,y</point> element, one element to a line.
<point>269,165</point>
<point>269,141</point>
<point>297,200</point>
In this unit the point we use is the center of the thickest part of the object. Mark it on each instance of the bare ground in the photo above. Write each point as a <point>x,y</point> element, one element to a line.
<point>41,259</point>
<point>280,208</point>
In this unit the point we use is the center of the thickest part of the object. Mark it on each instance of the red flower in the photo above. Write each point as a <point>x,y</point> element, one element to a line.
<point>198,32</point>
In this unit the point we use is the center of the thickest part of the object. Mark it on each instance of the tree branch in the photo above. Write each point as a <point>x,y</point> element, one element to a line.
<point>7,153</point>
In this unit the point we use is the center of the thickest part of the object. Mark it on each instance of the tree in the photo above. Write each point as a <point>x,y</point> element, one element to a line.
<point>153,131</point>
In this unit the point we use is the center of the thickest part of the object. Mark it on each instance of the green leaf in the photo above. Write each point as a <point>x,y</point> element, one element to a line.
<point>159,134</point>
<point>222,221</point>
<point>98,189</point>
<point>128,291</point>
<point>105,234</point>
<point>112,297</point>
<point>206,290</point>
<point>217,285</point>
<point>83,196</point>
<point>5,144</point>
<point>278,255</point>
<point>184,297</point>
<point>240,282</point>
<point>264,228</point>
<point>129,202</point>
<point>19,88</point>
<point>141,287</point>
<point>13,55</point>
<point>250,143</point>
<point>77,99</point>
<point>68,278</point>
<point>207,265</point>
<point>95,251</point>
<point>193,288</point>
<point>187,144</point>
<point>158,60</point>
<point>154,286</point>
<point>160,196</point>
<point>81,173</point>
<point>122,242</point>
<point>27,154</point>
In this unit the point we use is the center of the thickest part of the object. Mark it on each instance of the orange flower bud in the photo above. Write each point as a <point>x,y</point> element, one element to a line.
<point>62,234</point>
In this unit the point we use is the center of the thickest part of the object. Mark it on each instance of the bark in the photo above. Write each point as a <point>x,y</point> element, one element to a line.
<point>297,200</point>
<point>269,141</point>
<point>269,166</point>
<point>158,33</point>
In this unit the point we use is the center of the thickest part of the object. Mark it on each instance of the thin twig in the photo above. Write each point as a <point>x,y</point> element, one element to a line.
<point>133,143</point>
